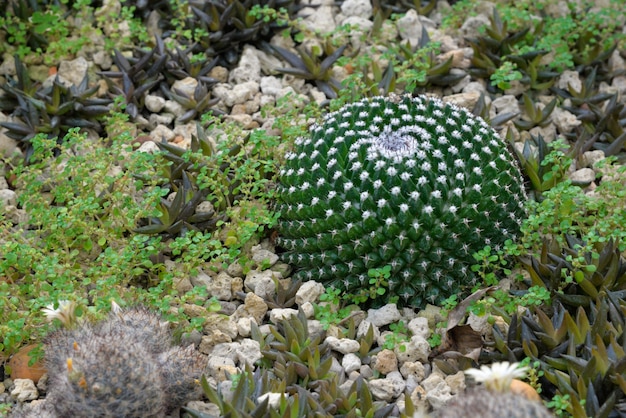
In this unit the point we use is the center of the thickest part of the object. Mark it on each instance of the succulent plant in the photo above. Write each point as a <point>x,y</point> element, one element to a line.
<point>295,371</point>
<point>542,172</point>
<point>139,75</point>
<point>423,8</point>
<point>124,366</point>
<point>578,341</point>
<point>202,173</point>
<point>309,66</point>
<point>408,182</point>
<point>579,351</point>
<point>220,27</point>
<point>534,115</point>
<point>51,110</point>
<point>483,110</point>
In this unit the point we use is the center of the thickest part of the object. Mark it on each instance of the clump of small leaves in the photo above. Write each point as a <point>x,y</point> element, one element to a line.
<point>219,189</point>
<point>83,208</point>
<point>76,239</point>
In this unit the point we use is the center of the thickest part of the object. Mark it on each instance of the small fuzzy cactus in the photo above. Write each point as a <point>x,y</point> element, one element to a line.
<point>102,375</point>
<point>411,183</point>
<point>497,397</point>
<point>484,403</point>
<point>125,366</point>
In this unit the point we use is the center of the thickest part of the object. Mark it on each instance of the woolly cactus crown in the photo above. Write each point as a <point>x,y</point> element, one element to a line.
<point>412,183</point>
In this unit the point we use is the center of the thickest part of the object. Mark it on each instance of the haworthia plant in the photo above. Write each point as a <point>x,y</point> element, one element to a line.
<point>413,183</point>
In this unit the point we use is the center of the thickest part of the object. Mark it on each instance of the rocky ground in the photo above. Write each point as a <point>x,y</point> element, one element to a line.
<point>392,371</point>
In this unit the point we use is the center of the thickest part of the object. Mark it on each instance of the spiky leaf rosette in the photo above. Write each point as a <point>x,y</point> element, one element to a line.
<point>412,183</point>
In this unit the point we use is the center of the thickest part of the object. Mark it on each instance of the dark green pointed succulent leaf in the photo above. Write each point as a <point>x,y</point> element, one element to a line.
<point>285,295</point>
<point>308,66</point>
<point>412,183</point>
<point>534,115</point>
<point>482,110</point>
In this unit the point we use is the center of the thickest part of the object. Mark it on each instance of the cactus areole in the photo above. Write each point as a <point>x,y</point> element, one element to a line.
<point>409,182</point>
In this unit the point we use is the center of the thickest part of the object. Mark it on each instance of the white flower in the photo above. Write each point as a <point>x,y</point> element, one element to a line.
<point>498,376</point>
<point>66,312</point>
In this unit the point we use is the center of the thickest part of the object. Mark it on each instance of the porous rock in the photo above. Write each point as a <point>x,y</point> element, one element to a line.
<point>24,390</point>
<point>309,292</point>
<point>343,345</point>
<point>385,315</point>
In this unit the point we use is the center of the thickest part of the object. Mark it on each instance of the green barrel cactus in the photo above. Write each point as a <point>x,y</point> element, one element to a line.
<point>411,183</point>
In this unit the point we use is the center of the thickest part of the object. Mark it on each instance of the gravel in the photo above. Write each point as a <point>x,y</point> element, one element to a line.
<point>225,337</point>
